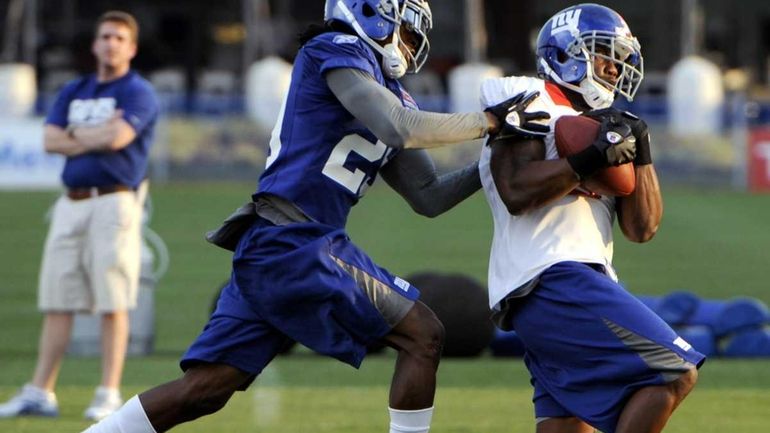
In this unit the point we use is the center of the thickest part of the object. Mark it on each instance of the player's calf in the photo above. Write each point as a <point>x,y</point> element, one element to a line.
<point>203,390</point>
<point>419,338</point>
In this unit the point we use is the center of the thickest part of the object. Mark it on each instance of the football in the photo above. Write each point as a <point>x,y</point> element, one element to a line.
<point>573,134</point>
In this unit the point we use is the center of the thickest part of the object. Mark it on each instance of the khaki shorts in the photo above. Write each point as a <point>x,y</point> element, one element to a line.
<point>91,258</point>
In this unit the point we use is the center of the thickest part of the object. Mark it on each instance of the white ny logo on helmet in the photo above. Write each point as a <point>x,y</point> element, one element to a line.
<point>566,21</point>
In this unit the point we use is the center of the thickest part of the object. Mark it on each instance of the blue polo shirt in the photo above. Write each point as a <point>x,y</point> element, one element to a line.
<point>87,102</point>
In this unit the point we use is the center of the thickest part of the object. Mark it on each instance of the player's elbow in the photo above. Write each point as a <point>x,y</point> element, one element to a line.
<point>428,213</point>
<point>393,137</point>
<point>425,207</point>
<point>640,234</point>
<point>516,205</point>
<point>516,201</point>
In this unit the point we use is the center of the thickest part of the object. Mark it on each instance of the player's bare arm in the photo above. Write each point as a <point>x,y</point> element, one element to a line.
<point>524,179</point>
<point>639,214</point>
<point>413,175</point>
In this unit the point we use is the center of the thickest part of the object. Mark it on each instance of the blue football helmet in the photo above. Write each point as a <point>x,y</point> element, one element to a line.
<point>572,39</point>
<point>378,21</point>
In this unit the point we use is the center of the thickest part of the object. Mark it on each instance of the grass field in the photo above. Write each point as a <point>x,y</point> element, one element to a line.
<point>712,243</point>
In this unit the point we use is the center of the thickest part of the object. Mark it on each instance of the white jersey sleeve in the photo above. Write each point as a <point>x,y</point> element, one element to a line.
<point>574,228</point>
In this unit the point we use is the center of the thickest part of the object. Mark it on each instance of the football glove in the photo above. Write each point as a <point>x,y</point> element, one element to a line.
<point>515,121</point>
<point>615,145</point>
<point>638,126</point>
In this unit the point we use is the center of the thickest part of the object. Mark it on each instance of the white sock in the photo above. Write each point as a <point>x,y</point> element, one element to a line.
<point>410,421</point>
<point>130,418</point>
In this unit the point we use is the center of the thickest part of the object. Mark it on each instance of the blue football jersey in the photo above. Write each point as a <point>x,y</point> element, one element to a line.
<point>321,157</point>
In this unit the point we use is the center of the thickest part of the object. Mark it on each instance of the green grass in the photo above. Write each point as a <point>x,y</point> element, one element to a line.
<point>712,243</point>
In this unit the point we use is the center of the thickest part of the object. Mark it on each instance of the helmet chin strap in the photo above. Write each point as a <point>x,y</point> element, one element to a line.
<point>595,95</point>
<point>394,63</point>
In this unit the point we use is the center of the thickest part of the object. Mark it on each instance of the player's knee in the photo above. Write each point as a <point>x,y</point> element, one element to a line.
<point>430,341</point>
<point>685,383</point>
<point>682,386</point>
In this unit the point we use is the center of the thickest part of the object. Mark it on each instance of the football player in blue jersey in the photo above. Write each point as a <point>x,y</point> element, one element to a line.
<point>598,357</point>
<point>296,274</point>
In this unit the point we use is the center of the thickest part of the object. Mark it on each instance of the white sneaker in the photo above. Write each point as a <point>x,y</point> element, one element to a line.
<point>32,401</point>
<point>104,403</point>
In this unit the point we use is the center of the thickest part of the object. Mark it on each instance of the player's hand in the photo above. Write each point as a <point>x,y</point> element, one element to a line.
<point>515,121</point>
<point>616,141</point>
<point>614,145</point>
<point>638,126</point>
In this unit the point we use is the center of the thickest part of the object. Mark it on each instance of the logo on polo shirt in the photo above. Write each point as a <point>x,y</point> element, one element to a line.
<point>91,111</point>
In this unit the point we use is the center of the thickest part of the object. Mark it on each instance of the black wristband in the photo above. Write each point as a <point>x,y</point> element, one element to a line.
<point>643,155</point>
<point>587,162</point>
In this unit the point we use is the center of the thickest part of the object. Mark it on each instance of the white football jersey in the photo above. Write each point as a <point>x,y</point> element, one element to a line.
<point>573,228</point>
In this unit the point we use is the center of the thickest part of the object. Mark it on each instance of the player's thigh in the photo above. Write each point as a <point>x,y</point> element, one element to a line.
<point>563,425</point>
<point>235,336</point>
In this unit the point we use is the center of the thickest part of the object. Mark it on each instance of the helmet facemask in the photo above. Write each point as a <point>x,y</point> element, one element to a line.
<point>418,21</point>
<point>623,52</point>
<point>416,18</point>
<point>379,22</point>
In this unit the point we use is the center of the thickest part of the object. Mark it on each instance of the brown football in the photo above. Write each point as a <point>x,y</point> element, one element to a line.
<point>573,134</point>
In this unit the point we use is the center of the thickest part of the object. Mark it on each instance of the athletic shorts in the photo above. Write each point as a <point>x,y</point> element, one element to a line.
<point>305,282</point>
<point>91,258</point>
<point>590,345</point>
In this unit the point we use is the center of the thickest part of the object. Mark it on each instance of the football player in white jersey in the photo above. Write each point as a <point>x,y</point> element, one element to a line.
<point>599,359</point>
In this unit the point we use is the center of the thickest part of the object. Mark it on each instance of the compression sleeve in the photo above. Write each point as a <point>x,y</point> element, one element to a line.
<point>413,175</point>
<point>383,113</point>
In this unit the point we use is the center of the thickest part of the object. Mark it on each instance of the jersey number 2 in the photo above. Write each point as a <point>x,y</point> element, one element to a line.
<point>353,179</point>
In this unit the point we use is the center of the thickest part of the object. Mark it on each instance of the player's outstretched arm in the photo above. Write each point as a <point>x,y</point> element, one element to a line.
<point>396,126</point>
<point>413,175</point>
<point>524,179</point>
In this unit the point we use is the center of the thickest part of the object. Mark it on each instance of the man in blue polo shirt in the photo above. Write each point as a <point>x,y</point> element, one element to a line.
<point>103,123</point>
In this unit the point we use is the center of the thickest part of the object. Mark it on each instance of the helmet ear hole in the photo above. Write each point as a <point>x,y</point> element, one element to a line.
<point>368,10</point>
<point>561,56</point>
